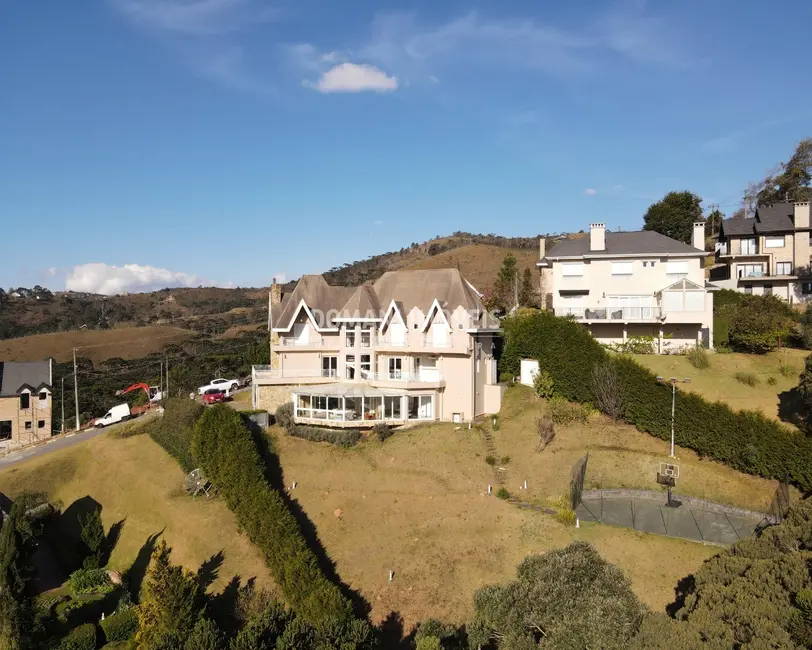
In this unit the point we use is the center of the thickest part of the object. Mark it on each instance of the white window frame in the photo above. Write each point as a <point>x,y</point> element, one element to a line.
<point>749,246</point>
<point>331,363</point>
<point>775,241</point>
<point>785,266</point>
<point>741,270</point>
<point>572,269</point>
<point>679,268</point>
<point>622,268</point>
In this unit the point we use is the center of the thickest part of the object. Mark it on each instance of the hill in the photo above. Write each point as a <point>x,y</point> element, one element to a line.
<point>96,345</point>
<point>478,263</point>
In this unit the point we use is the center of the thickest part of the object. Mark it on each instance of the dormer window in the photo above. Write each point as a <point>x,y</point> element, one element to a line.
<point>25,401</point>
<point>43,396</point>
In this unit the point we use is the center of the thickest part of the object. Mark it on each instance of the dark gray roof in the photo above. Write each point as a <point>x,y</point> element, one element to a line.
<point>16,375</point>
<point>638,242</point>
<point>769,218</point>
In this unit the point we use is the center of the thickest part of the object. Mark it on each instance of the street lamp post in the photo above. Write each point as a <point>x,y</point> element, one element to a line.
<point>673,381</point>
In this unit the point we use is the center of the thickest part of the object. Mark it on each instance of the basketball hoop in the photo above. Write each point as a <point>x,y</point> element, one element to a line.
<point>667,477</point>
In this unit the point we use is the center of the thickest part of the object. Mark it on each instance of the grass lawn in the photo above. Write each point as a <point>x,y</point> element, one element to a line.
<point>718,382</point>
<point>417,504</point>
<point>135,480</point>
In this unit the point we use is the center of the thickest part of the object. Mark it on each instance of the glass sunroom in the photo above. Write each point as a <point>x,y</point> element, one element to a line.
<point>339,405</point>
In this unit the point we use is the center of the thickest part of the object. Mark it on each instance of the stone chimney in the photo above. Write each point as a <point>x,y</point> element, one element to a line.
<point>276,293</point>
<point>597,237</point>
<point>801,218</point>
<point>542,247</point>
<point>698,235</point>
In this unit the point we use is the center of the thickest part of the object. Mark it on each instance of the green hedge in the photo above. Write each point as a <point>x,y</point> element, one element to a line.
<point>173,431</point>
<point>120,626</point>
<point>90,581</point>
<point>744,440</point>
<point>226,451</point>
<point>80,638</point>
<point>338,437</point>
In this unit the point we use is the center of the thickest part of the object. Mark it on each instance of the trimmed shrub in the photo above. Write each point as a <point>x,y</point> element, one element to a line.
<point>698,358</point>
<point>120,626</point>
<point>502,493</point>
<point>226,451</point>
<point>747,378</point>
<point>565,516</point>
<point>174,430</point>
<point>91,581</point>
<point>744,440</point>
<point>284,416</point>
<point>337,437</point>
<point>564,412</point>
<point>80,638</point>
<point>382,431</point>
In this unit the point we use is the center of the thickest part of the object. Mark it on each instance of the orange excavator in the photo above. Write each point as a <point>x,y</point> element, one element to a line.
<point>153,392</point>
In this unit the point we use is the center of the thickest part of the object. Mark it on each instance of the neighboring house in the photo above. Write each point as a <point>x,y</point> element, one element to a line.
<point>25,401</point>
<point>767,254</point>
<point>625,284</point>
<point>413,346</point>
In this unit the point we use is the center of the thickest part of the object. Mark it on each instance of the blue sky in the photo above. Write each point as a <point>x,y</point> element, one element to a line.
<point>179,142</point>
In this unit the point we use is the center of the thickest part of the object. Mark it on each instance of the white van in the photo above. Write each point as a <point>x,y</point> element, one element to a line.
<point>116,414</point>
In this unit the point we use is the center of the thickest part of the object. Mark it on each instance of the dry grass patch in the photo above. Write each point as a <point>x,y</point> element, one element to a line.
<point>620,456</point>
<point>417,504</point>
<point>719,382</point>
<point>123,342</point>
<point>134,479</point>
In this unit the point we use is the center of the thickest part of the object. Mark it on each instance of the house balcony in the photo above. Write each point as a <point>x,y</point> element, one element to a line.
<point>267,376</point>
<point>426,378</point>
<point>620,315</point>
<point>316,342</point>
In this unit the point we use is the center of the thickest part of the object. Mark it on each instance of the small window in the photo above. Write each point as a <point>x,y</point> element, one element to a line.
<point>572,268</point>
<point>676,268</point>
<point>783,268</point>
<point>748,288</point>
<point>43,396</point>
<point>456,418</point>
<point>28,425</point>
<point>25,400</point>
<point>415,325</point>
<point>622,268</point>
<point>5,429</point>
<point>806,288</point>
<point>774,241</point>
<point>459,326</point>
<point>41,424</point>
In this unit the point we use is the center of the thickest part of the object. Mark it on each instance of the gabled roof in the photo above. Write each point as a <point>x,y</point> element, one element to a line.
<point>421,287</point>
<point>363,304</point>
<point>777,218</point>
<point>314,291</point>
<point>683,285</point>
<point>15,376</point>
<point>637,242</point>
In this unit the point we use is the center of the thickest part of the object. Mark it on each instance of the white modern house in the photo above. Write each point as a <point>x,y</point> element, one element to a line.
<point>624,284</point>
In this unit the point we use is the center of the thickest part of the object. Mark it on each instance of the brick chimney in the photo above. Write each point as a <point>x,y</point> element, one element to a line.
<point>597,237</point>
<point>276,293</point>
<point>698,235</point>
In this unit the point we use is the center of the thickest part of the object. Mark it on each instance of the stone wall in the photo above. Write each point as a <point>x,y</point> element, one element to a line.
<point>270,398</point>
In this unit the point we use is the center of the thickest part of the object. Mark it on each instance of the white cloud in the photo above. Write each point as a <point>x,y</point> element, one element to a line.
<point>354,78</point>
<point>590,191</point>
<point>97,277</point>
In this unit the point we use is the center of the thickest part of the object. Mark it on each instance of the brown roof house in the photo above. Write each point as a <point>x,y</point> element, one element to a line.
<point>413,346</point>
<point>25,402</point>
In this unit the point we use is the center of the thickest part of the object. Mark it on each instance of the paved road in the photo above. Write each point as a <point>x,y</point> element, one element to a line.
<point>62,441</point>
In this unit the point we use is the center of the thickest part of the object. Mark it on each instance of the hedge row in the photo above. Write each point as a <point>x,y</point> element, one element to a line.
<point>744,440</point>
<point>173,431</point>
<point>338,437</point>
<point>120,626</point>
<point>80,638</point>
<point>226,451</point>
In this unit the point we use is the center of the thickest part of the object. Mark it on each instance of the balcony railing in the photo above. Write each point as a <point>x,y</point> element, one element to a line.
<point>294,342</point>
<point>387,341</point>
<point>425,376</point>
<point>430,342</point>
<point>618,314</point>
<point>266,372</point>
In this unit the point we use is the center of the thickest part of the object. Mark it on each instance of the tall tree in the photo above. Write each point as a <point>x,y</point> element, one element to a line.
<point>789,181</point>
<point>674,215</point>
<point>527,290</point>
<point>504,288</point>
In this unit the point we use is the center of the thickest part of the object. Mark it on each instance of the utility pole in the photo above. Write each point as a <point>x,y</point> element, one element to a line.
<point>673,401</point>
<point>161,381</point>
<point>167,376</point>
<point>76,389</point>
<point>63,405</point>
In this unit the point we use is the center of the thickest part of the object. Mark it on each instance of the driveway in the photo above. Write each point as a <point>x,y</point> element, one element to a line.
<point>62,441</point>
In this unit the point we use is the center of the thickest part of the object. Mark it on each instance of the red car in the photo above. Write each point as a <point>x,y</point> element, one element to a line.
<point>214,396</point>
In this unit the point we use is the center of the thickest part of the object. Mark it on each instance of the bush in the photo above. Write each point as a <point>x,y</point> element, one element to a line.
<point>698,358</point>
<point>504,460</point>
<point>337,437</point>
<point>565,516</point>
<point>284,416</point>
<point>495,423</point>
<point>744,440</point>
<point>747,378</point>
<point>759,322</point>
<point>120,626</point>
<point>563,412</point>
<point>786,370</point>
<point>502,493</point>
<point>637,345</point>
<point>174,430</point>
<point>543,384</point>
<point>382,431</point>
<point>606,386</point>
<point>90,581</point>
<point>227,453</point>
<point>772,381</point>
<point>546,431</point>
<point>80,638</point>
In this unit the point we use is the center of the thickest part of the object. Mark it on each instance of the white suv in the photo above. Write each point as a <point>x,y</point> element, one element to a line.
<point>227,385</point>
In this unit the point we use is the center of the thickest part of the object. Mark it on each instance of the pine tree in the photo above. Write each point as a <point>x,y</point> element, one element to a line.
<point>505,286</point>
<point>171,605</point>
<point>527,290</point>
<point>93,536</point>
